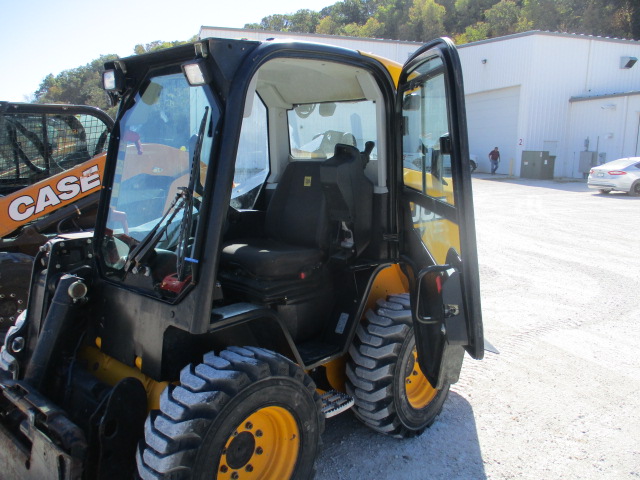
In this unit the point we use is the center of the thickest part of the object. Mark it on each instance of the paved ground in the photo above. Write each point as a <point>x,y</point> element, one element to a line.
<point>560,273</point>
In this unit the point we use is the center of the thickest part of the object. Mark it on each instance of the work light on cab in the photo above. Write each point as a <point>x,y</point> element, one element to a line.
<point>196,72</point>
<point>112,80</point>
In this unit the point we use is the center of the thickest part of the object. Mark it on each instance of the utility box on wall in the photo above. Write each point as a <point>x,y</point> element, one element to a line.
<point>587,161</point>
<point>537,164</point>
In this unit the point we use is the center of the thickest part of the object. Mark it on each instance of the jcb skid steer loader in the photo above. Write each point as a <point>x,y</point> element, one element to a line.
<point>285,232</point>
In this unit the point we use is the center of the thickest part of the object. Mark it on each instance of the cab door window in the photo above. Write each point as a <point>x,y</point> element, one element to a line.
<point>427,159</point>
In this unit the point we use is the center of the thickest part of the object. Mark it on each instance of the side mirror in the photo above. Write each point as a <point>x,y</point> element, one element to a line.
<point>445,144</point>
<point>429,309</point>
<point>439,301</point>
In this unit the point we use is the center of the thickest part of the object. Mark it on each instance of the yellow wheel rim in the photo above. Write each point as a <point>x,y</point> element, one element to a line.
<point>419,391</point>
<point>263,446</point>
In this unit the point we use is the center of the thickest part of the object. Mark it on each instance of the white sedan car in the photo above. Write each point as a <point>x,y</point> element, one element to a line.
<point>622,175</point>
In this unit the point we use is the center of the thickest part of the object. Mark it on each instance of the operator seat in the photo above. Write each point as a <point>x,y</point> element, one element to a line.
<point>315,206</point>
<point>296,230</point>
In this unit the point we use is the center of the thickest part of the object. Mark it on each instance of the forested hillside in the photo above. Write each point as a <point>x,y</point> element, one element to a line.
<point>464,20</point>
<point>418,20</point>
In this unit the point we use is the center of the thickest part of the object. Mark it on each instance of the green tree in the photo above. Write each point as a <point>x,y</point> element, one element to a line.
<point>372,29</point>
<point>277,23</point>
<point>304,20</point>
<point>426,21</point>
<point>350,11</point>
<point>470,12</point>
<point>328,26</point>
<point>81,85</point>
<point>156,45</point>
<point>540,14</point>
<point>473,33</point>
<point>503,18</point>
<point>392,14</point>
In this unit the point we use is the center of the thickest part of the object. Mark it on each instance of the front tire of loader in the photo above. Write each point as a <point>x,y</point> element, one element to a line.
<point>392,395</point>
<point>248,413</point>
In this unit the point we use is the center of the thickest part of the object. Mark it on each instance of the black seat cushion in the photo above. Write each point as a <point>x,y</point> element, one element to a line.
<point>270,258</point>
<point>296,227</point>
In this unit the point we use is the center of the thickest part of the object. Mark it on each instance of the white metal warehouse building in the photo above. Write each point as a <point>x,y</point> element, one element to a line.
<point>559,93</point>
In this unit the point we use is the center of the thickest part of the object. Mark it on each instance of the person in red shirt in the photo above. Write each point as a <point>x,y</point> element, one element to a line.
<point>494,156</point>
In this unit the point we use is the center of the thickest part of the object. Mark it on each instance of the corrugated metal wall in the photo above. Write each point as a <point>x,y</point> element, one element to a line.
<point>608,126</point>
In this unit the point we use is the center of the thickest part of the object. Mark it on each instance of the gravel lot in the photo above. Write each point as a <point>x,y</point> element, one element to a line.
<point>560,281</point>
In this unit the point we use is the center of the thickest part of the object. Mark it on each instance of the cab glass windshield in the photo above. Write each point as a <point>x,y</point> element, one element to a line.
<point>165,142</point>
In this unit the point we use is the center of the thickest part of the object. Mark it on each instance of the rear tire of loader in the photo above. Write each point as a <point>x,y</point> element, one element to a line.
<point>247,413</point>
<point>391,394</point>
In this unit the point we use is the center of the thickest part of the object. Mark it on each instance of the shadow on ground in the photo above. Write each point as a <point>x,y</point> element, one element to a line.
<point>448,450</point>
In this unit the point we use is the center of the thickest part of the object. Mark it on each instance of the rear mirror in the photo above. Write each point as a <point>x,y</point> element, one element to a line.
<point>152,93</point>
<point>327,109</point>
<point>303,111</point>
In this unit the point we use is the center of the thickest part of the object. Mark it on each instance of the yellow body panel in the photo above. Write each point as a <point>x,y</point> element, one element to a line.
<point>437,233</point>
<point>394,68</point>
<point>111,371</point>
<point>435,188</point>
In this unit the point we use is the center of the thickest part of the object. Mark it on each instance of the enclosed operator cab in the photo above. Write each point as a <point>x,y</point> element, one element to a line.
<point>285,232</point>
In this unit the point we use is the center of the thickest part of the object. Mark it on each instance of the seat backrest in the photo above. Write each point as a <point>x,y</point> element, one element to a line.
<point>349,193</point>
<point>297,213</point>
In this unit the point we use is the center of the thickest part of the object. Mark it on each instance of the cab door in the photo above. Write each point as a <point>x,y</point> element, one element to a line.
<point>435,215</point>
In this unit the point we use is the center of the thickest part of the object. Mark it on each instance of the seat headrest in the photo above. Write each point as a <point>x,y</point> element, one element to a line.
<point>344,153</point>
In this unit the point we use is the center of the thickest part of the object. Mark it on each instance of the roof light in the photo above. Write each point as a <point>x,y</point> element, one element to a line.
<point>617,172</point>
<point>196,72</point>
<point>109,80</point>
<point>112,80</point>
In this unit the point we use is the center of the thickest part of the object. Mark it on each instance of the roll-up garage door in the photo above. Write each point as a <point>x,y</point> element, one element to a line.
<point>492,120</point>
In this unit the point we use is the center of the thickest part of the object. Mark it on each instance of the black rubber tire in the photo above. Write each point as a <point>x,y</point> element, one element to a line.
<point>377,370</point>
<point>186,437</point>
<point>634,191</point>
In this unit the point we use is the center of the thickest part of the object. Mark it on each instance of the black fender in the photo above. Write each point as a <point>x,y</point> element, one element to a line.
<point>266,328</point>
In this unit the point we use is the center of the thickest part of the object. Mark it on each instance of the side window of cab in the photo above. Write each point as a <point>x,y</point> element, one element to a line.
<point>252,159</point>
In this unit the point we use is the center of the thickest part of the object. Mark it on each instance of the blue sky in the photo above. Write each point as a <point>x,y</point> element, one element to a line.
<point>40,37</point>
